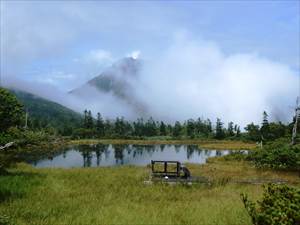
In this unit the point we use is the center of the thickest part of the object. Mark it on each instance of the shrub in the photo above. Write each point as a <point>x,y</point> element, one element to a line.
<point>280,205</point>
<point>277,156</point>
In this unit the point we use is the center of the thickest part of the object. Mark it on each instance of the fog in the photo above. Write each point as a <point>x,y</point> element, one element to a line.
<point>191,78</point>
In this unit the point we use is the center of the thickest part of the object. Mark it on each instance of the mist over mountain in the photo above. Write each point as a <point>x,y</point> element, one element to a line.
<point>117,80</point>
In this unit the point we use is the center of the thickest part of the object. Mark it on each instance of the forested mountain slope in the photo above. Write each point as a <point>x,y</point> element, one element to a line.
<point>44,113</point>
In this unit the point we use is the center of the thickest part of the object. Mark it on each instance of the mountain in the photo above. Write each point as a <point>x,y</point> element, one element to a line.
<point>43,113</point>
<point>117,80</point>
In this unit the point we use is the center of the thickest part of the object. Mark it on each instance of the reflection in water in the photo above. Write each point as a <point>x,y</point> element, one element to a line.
<point>190,150</point>
<point>119,153</point>
<point>111,155</point>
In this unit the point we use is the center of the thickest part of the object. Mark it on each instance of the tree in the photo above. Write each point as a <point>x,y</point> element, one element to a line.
<point>100,125</point>
<point>120,127</point>
<point>220,134</point>
<point>276,130</point>
<point>11,110</point>
<point>265,126</point>
<point>238,131</point>
<point>150,127</point>
<point>108,128</point>
<point>90,122</point>
<point>230,129</point>
<point>162,129</point>
<point>85,118</point>
<point>253,132</point>
<point>190,128</point>
<point>177,129</point>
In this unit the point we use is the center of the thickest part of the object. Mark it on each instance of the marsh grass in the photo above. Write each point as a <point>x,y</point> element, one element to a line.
<point>117,195</point>
<point>203,144</point>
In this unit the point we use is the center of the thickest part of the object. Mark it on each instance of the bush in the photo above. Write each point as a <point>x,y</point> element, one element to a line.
<point>280,205</point>
<point>236,155</point>
<point>277,156</point>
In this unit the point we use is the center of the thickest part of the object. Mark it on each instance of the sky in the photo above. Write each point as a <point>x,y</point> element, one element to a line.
<point>63,44</point>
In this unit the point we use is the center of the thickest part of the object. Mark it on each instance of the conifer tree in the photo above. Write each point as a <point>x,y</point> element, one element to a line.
<point>219,130</point>
<point>162,129</point>
<point>100,125</point>
<point>265,126</point>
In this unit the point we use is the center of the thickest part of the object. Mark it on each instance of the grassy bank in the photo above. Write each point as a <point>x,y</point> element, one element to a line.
<point>205,144</point>
<point>117,195</point>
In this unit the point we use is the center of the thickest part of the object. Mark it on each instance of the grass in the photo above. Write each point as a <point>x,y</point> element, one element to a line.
<point>117,195</point>
<point>204,144</point>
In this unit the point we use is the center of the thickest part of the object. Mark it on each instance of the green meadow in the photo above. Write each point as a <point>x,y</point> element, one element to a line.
<point>118,195</point>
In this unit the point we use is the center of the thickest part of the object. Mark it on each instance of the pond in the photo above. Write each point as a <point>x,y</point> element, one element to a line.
<point>114,155</point>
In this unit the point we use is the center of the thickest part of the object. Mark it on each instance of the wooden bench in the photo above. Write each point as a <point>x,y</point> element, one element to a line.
<point>168,169</point>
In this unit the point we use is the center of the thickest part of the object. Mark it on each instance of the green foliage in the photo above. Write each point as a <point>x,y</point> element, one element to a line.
<point>100,125</point>
<point>177,129</point>
<point>280,205</point>
<point>276,130</point>
<point>277,155</point>
<point>46,114</point>
<point>235,155</point>
<point>162,129</point>
<point>265,128</point>
<point>4,220</point>
<point>83,133</point>
<point>253,132</point>
<point>220,134</point>
<point>11,110</point>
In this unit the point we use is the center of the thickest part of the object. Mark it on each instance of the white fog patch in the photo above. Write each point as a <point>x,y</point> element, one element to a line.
<point>195,78</point>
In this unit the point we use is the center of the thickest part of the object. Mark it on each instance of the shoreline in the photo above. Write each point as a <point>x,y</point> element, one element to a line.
<point>206,144</point>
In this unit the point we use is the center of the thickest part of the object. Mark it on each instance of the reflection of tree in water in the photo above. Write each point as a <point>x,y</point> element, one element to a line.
<point>137,150</point>
<point>218,153</point>
<point>64,153</point>
<point>99,150</point>
<point>199,151</point>
<point>177,148</point>
<point>87,154</point>
<point>207,153</point>
<point>141,149</point>
<point>129,149</point>
<point>150,148</point>
<point>119,153</point>
<point>162,147</point>
<point>190,150</point>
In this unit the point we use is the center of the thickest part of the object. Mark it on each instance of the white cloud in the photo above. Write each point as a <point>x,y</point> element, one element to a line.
<point>193,78</point>
<point>99,57</point>
<point>135,54</point>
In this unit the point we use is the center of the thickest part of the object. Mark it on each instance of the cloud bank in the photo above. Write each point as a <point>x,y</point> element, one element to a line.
<point>50,48</point>
<point>195,78</point>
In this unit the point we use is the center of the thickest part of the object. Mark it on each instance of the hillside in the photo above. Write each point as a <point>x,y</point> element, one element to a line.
<point>45,113</point>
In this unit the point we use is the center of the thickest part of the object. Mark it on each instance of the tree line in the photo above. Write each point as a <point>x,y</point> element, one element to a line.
<point>192,128</point>
<point>95,126</point>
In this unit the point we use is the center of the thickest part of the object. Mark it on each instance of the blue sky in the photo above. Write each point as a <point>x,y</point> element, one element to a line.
<point>41,41</point>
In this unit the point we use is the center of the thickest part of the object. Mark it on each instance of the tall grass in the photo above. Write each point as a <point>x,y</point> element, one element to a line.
<point>118,195</point>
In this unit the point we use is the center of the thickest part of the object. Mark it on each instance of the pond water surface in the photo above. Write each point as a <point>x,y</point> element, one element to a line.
<point>114,155</point>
